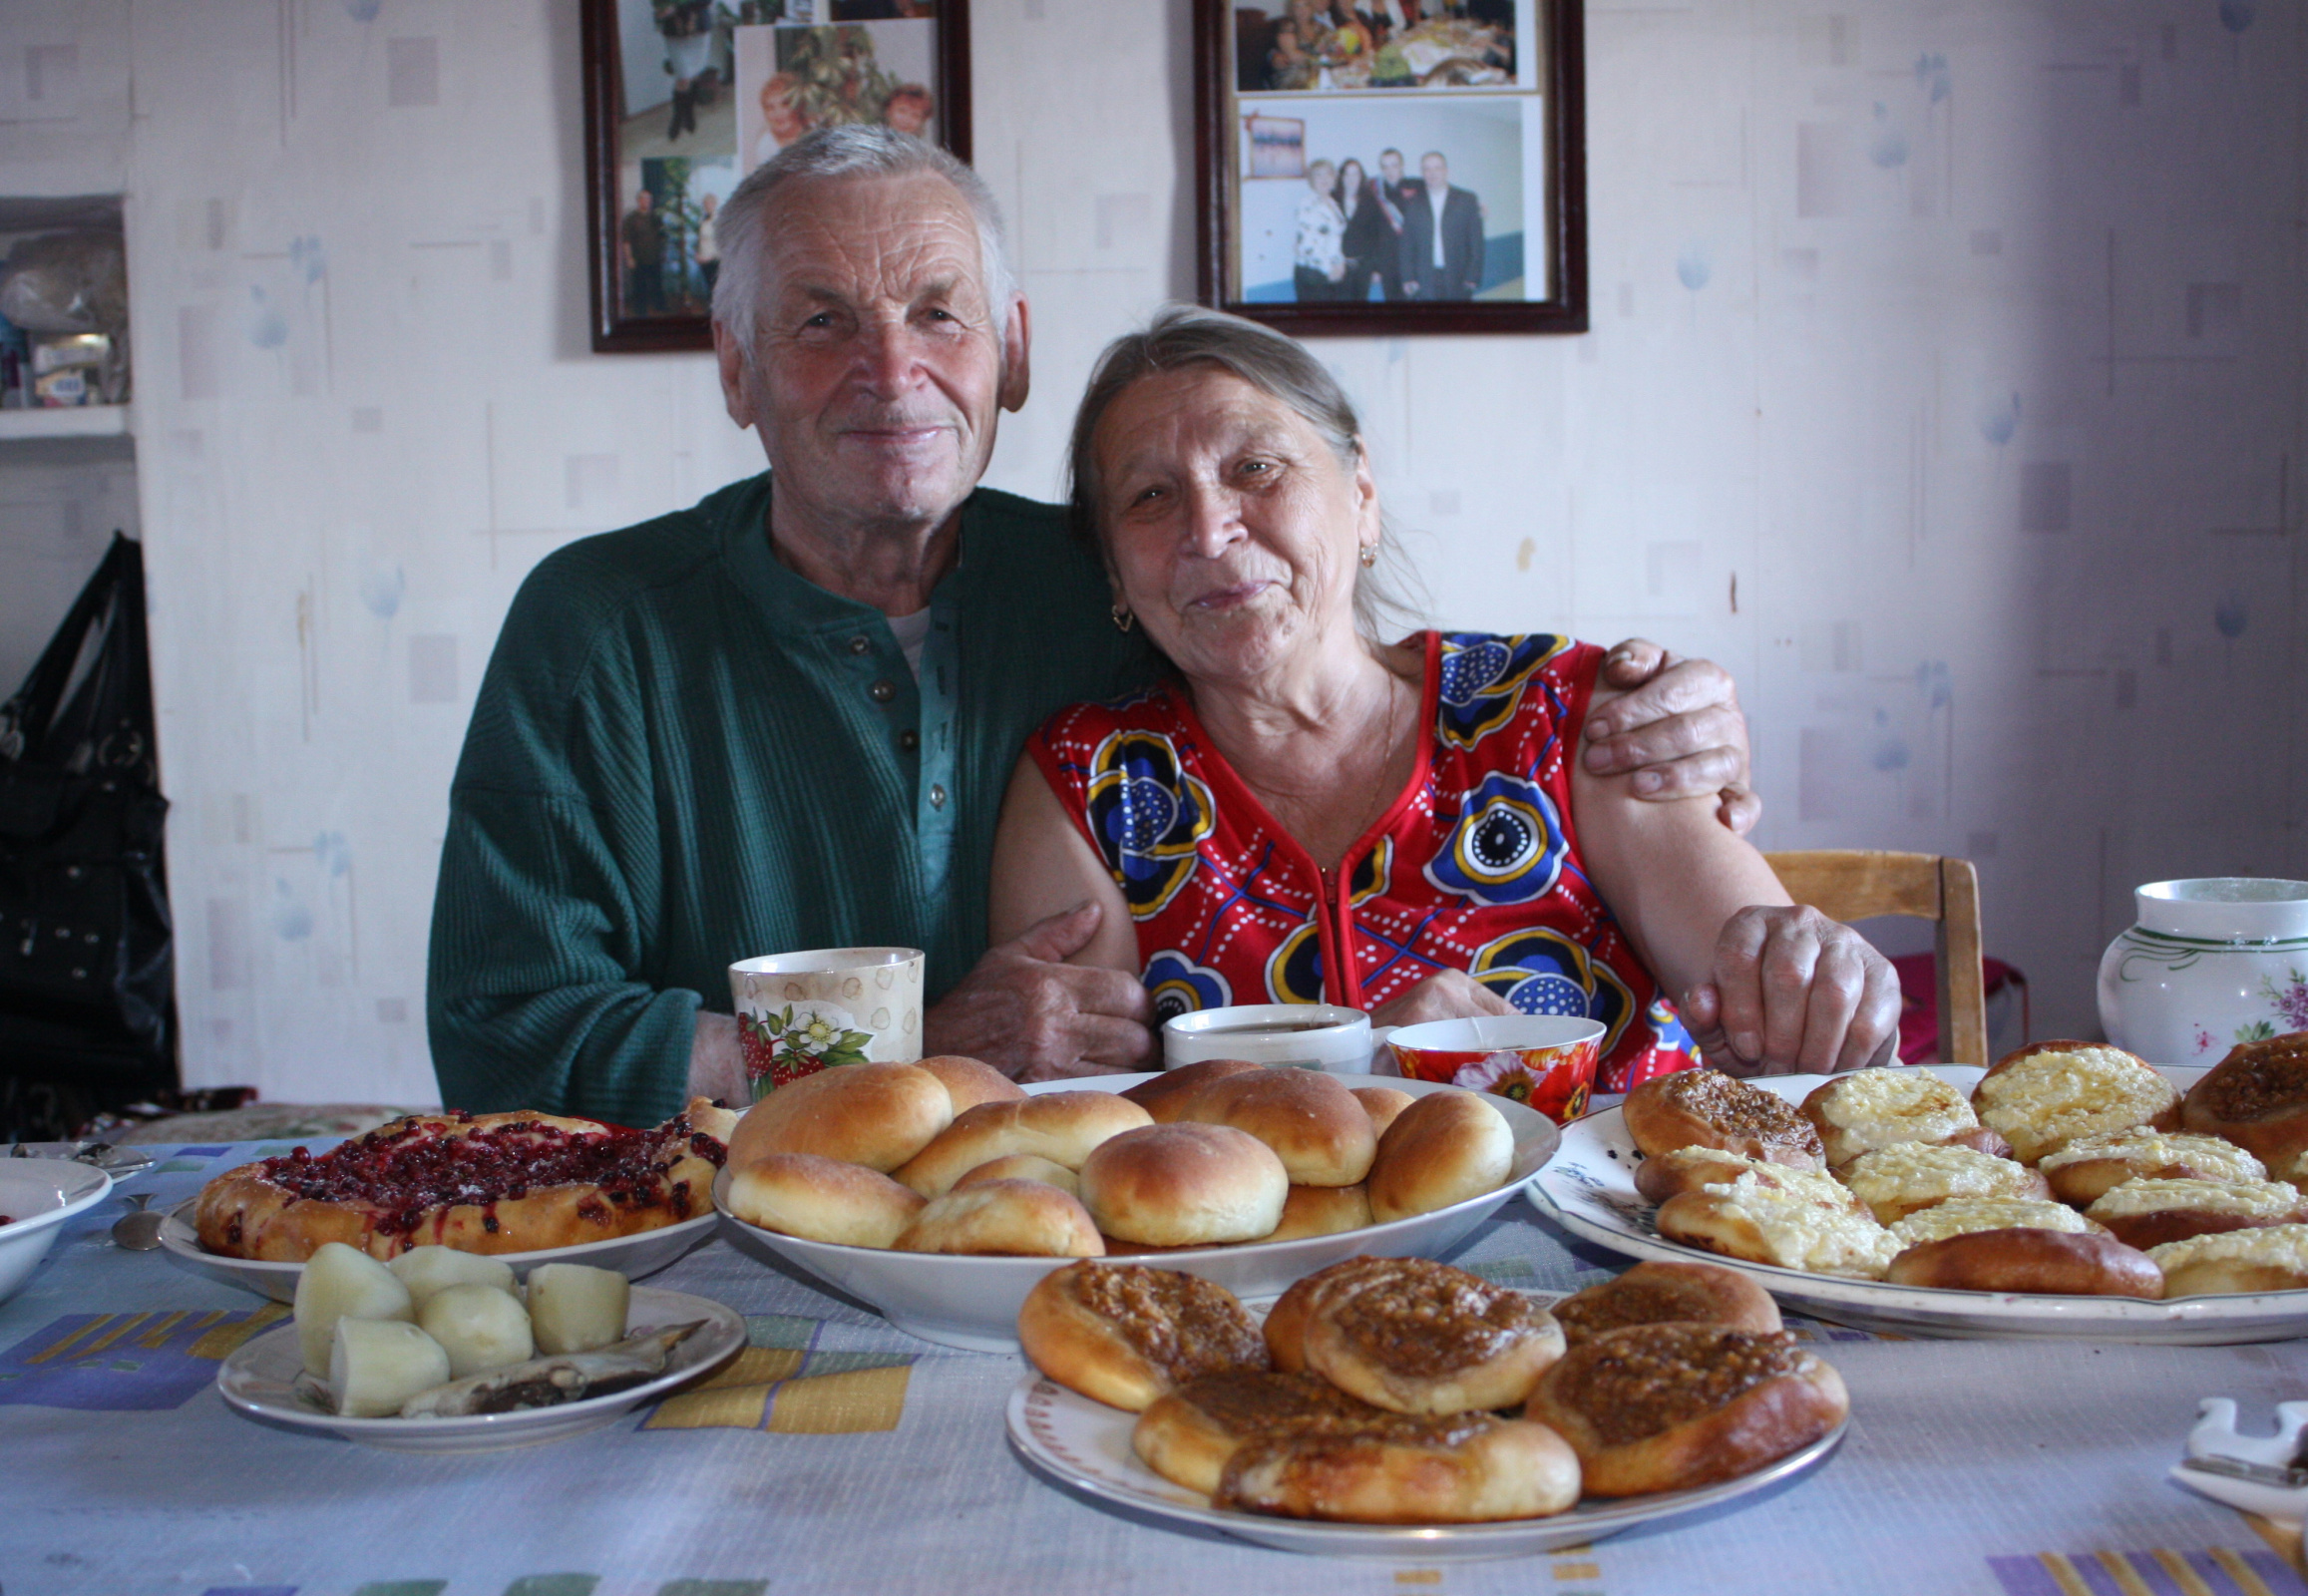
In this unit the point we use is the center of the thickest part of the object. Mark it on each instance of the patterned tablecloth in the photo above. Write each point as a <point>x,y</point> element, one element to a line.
<point>837,1454</point>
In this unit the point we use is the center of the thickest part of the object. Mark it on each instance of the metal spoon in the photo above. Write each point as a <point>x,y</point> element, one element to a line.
<point>137,1230</point>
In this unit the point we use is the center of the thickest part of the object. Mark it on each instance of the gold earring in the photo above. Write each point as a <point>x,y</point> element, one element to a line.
<point>1123,619</point>
<point>1370,555</point>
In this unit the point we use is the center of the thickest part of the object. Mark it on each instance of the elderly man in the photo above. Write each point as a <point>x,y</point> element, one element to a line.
<point>784,718</point>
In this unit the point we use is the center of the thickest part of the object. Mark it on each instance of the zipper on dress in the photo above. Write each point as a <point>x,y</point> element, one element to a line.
<point>1335,933</point>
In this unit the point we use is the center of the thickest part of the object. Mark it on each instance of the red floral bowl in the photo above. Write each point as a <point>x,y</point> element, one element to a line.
<point>1546,1061</point>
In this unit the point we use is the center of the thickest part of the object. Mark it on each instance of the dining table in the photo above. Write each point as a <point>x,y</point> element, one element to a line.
<point>836,1454</point>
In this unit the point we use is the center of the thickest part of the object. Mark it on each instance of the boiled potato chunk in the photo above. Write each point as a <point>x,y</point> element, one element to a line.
<point>340,1282</point>
<point>575,1308</point>
<point>478,1327</point>
<point>425,1270</point>
<point>375,1365</point>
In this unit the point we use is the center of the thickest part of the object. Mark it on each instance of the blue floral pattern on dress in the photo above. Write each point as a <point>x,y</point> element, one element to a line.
<point>1507,847</point>
<point>1482,680</point>
<point>1179,986</point>
<point>1294,971</point>
<point>1146,818</point>
<point>1543,972</point>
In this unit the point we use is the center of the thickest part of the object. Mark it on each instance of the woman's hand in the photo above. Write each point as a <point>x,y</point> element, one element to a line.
<point>1794,993</point>
<point>1446,995</point>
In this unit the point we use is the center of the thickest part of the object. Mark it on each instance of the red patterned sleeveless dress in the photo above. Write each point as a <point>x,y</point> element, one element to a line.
<point>1473,867</point>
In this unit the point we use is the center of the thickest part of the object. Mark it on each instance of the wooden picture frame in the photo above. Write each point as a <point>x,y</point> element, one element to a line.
<point>739,78</point>
<point>1499,82</point>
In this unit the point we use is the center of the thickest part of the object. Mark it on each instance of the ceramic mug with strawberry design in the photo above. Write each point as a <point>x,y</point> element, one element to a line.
<point>1544,1061</point>
<point>800,1012</point>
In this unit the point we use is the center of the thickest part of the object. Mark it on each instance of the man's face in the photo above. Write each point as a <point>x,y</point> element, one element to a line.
<point>1390,166</point>
<point>877,373</point>
<point>642,201</point>
<point>1435,171</point>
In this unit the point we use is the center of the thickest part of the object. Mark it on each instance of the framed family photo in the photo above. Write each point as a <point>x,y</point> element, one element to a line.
<point>683,98</point>
<point>1392,165</point>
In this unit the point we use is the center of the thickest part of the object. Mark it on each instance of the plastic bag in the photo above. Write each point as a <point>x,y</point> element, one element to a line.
<point>67,283</point>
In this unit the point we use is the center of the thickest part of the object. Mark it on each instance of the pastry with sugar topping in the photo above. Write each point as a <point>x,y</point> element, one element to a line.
<point>2047,1095</point>
<point>2273,1258</point>
<point>1707,1108</point>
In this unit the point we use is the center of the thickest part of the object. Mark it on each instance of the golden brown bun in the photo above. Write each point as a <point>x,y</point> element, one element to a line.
<point>1062,1126</point>
<point>1286,1321</point>
<point>1382,1103</point>
<point>1425,1337</point>
<point>1657,1292</point>
<point>1166,1095</point>
<point>1186,1435</point>
<point>1670,1407</point>
<point>1689,1168</point>
<point>1707,1108</point>
<point>822,1199</point>
<point>969,1082</point>
<point>1185,1185</point>
<point>1468,1468</point>
<point>877,1116</point>
<point>2269,1258</point>
<point>1314,1124</point>
<point>1123,1334</point>
<point>1795,1218</point>
<point>1444,1148</point>
<point>2257,1098</point>
<point>2039,1262</point>
<point>1322,1211</point>
<point>2089,1167</point>
<point>1871,1108</point>
<point>2048,1093</point>
<point>2149,1213</point>
<point>1003,1218</point>
<point>1900,1179</point>
<point>1023,1167</point>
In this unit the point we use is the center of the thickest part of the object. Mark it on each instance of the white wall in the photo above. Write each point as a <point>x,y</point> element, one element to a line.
<point>1966,340</point>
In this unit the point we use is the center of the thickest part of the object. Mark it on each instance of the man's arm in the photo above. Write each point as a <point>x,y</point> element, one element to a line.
<point>1676,729</point>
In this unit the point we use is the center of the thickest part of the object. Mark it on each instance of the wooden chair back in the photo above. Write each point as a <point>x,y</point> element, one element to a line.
<point>1860,883</point>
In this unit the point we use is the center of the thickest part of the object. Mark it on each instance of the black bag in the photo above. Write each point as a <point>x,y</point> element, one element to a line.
<point>87,995</point>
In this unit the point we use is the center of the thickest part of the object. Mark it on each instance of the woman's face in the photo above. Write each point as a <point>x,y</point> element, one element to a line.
<point>1232,530</point>
<point>1350,177</point>
<point>1322,176</point>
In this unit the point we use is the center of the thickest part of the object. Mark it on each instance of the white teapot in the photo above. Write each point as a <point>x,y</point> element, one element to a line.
<point>2212,962</point>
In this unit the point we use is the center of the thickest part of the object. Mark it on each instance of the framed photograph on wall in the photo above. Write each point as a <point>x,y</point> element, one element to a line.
<point>1392,165</point>
<point>685,97</point>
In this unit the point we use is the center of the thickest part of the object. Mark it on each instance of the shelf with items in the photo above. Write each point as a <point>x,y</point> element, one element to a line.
<point>66,421</point>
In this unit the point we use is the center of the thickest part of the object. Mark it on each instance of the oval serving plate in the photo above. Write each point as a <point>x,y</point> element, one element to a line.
<point>1589,1189</point>
<point>1086,1445</point>
<point>631,1256</point>
<point>972,1303</point>
<point>260,1379</point>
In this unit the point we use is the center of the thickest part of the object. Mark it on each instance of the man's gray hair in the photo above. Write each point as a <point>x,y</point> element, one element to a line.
<point>864,150</point>
<point>1182,336</point>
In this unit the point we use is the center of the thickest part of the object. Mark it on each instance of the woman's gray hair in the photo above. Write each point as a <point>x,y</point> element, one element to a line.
<point>1181,336</point>
<point>867,149</point>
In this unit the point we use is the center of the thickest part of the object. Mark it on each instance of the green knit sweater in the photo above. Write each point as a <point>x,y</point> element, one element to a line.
<point>684,754</point>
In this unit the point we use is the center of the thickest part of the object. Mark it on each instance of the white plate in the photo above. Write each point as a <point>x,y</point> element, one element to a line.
<point>972,1303</point>
<point>1086,1445</point>
<point>38,1195</point>
<point>261,1378</point>
<point>1589,1189</point>
<point>631,1256</point>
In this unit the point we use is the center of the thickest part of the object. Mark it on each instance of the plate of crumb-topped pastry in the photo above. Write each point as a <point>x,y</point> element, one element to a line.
<point>1393,1407</point>
<point>2072,1191</point>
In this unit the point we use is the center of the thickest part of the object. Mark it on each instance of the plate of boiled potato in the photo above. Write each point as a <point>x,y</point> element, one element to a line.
<point>443,1350</point>
<point>1905,1257</point>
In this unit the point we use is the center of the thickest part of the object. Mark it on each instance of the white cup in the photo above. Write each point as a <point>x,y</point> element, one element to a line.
<point>800,1012</point>
<point>1278,1035</point>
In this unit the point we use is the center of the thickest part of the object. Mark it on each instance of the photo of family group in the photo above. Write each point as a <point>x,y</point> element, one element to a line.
<point>1299,45</point>
<point>793,80</point>
<point>1392,201</point>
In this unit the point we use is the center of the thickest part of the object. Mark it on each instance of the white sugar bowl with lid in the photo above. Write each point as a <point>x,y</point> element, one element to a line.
<point>2212,963</point>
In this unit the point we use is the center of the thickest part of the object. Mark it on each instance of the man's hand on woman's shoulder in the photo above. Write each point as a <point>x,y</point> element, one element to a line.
<point>1677,725</point>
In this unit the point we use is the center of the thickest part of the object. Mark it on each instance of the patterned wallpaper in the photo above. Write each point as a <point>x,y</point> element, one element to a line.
<point>1946,382</point>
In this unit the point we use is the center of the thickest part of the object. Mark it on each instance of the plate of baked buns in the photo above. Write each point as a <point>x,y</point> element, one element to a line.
<point>939,1193</point>
<point>1400,1406</point>
<point>527,1188</point>
<point>2071,1191</point>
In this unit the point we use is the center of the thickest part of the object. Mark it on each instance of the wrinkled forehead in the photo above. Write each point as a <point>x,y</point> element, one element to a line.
<point>1165,415</point>
<point>859,238</point>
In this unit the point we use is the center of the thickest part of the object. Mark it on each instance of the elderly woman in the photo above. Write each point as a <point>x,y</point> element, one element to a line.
<point>1306,814</point>
<point>1317,256</point>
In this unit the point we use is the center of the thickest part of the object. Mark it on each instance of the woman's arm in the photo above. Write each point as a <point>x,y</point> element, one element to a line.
<point>1043,867</point>
<point>1760,982</point>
